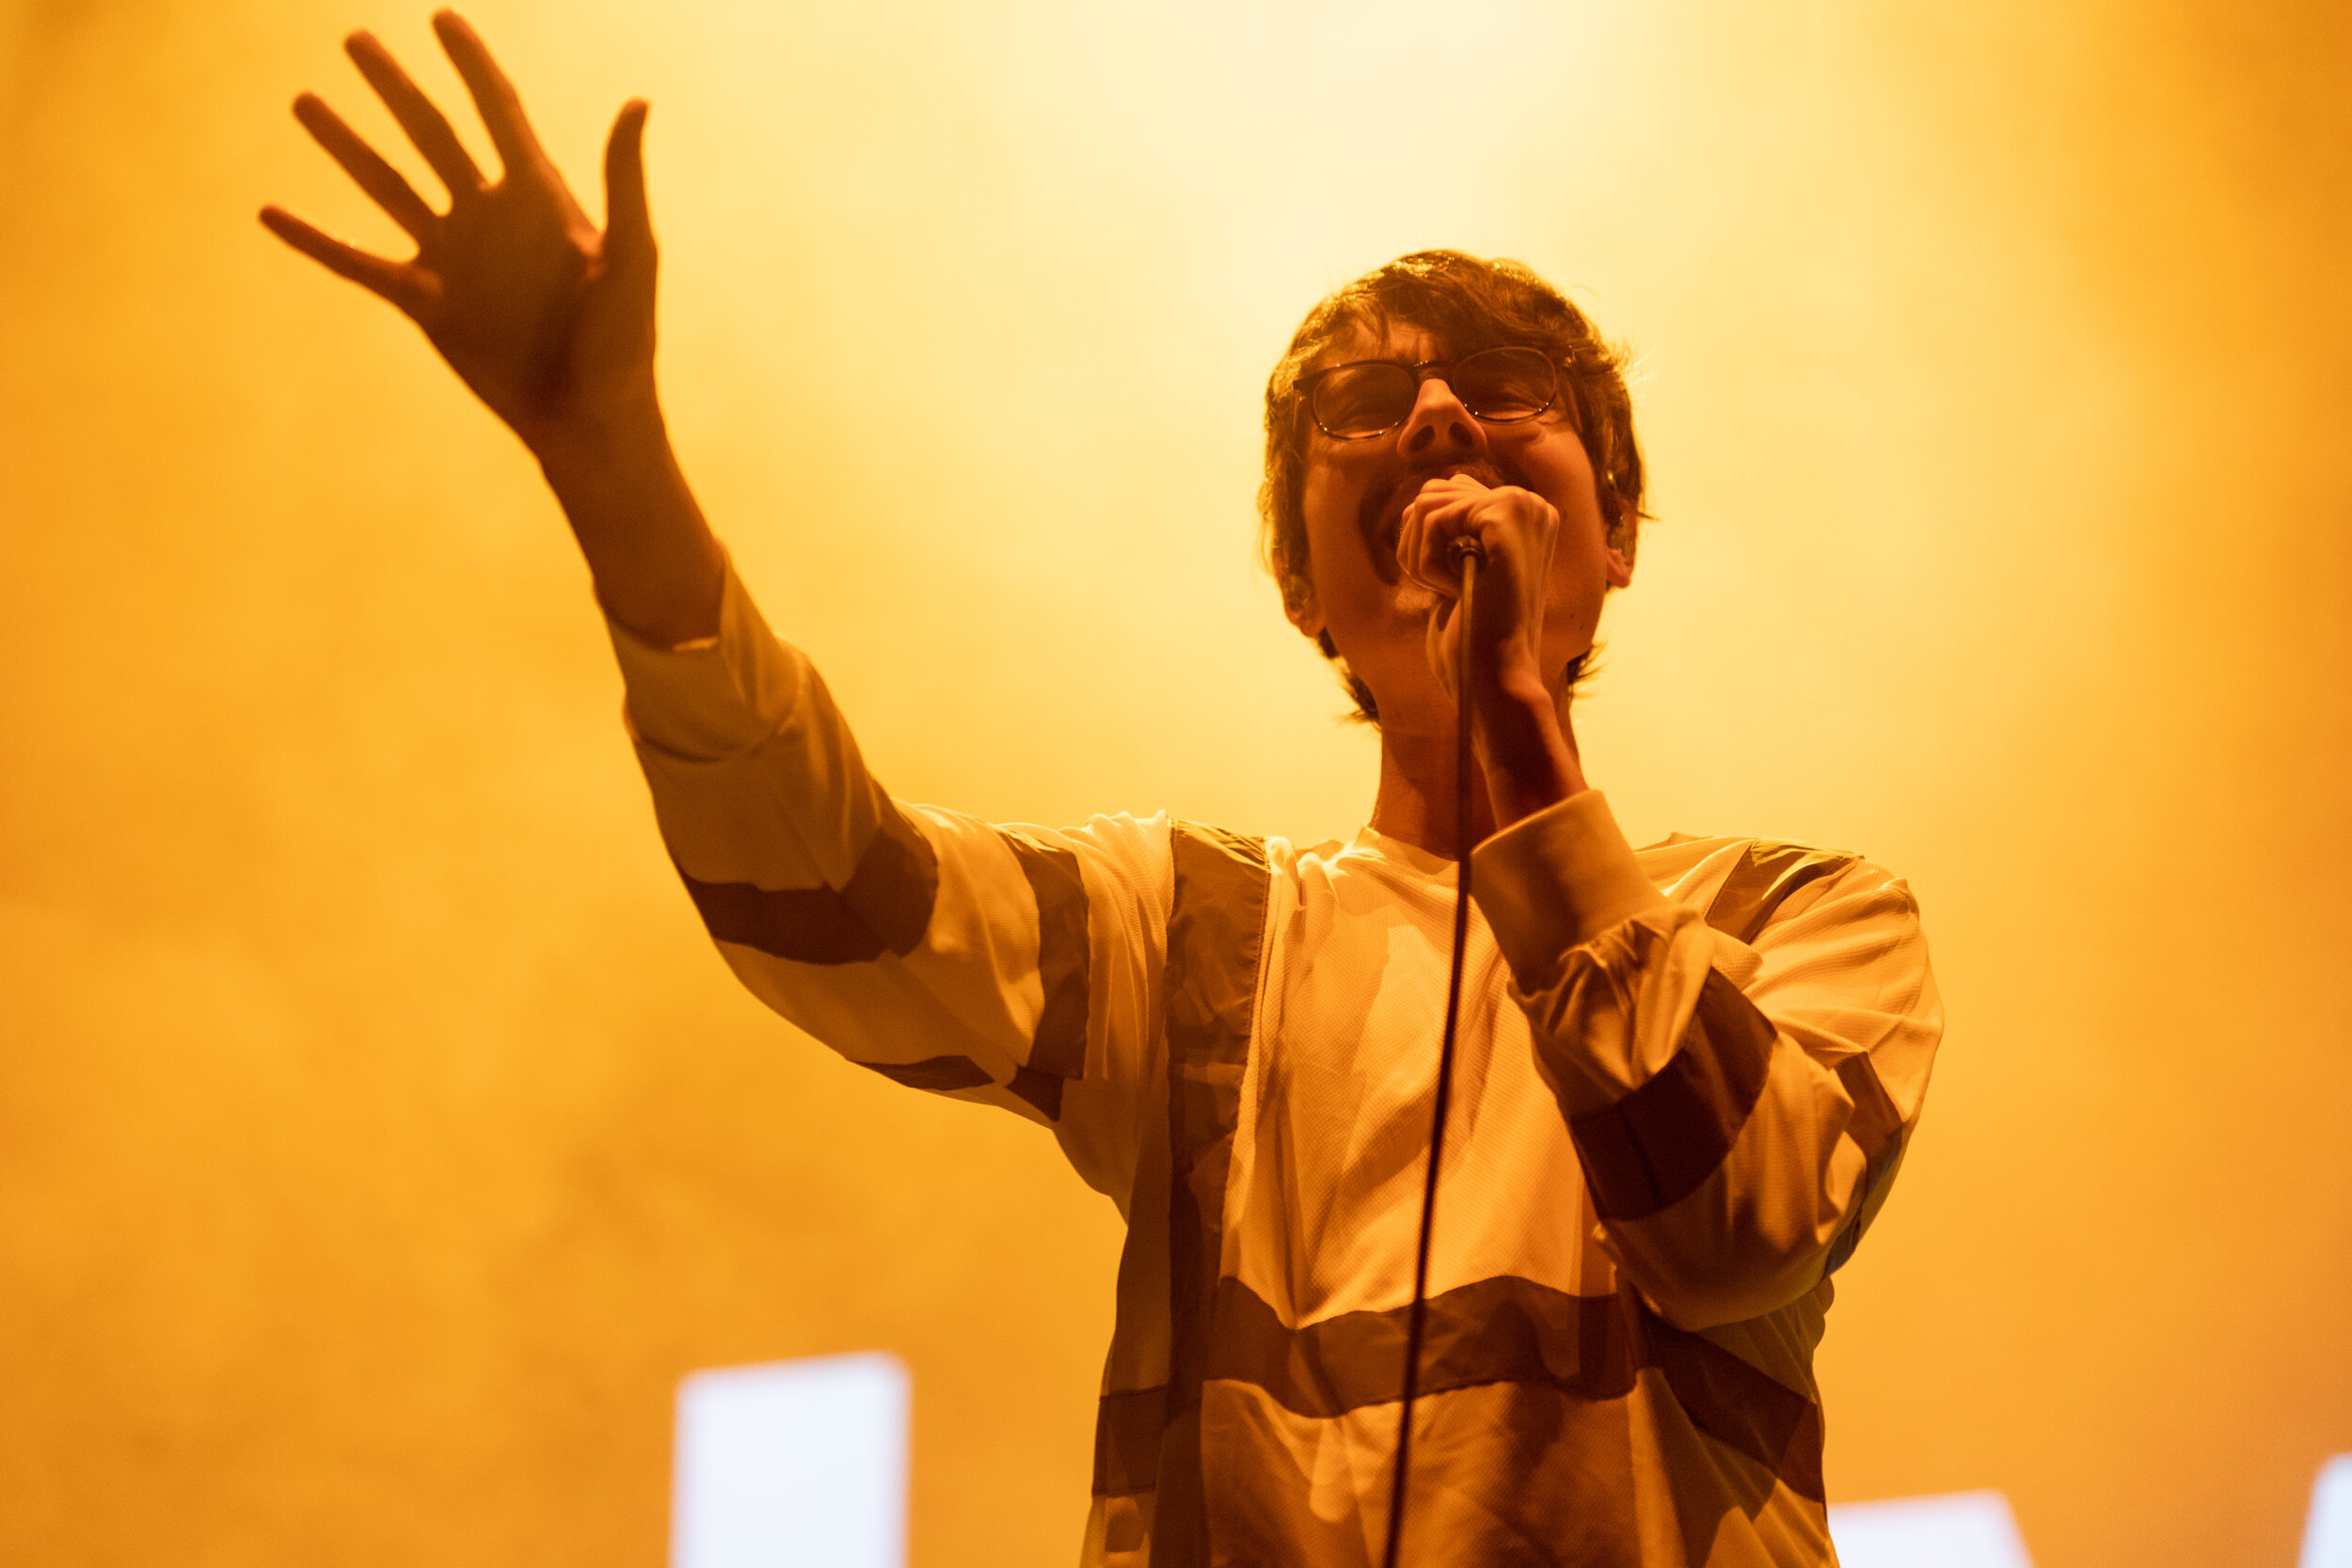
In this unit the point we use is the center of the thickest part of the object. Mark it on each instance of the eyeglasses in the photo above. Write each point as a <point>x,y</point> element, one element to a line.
<point>1371,397</point>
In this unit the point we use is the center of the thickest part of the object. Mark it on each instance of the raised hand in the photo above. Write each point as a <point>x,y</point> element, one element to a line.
<point>547,319</point>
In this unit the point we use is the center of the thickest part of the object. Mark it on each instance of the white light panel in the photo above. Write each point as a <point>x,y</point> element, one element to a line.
<point>792,1464</point>
<point>804,1464</point>
<point>2328,1536</point>
<point>1959,1530</point>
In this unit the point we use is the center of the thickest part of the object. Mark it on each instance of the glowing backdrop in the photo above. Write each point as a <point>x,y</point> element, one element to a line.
<point>380,1138</point>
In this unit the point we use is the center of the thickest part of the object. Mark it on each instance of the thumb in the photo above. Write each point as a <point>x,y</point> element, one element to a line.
<point>627,224</point>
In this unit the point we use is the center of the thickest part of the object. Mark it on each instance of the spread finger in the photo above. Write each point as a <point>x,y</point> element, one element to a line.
<point>384,184</point>
<point>501,105</point>
<point>425,125</point>
<point>392,280</point>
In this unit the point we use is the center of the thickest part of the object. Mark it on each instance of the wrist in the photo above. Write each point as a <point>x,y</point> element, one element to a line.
<point>614,474</point>
<point>658,570</point>
<point>598,442</point>
<point>1525,751</point>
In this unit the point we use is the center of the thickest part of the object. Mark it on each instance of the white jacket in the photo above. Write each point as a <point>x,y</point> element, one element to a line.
<point>1686,1077</point>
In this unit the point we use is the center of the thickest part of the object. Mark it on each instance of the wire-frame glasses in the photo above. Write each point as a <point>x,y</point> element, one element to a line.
<point>1366,398</point>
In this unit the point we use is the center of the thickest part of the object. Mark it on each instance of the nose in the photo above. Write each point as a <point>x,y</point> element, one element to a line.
<point>1440,430</point>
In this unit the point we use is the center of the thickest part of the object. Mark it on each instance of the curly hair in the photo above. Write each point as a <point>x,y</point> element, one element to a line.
<point>1468,303</point>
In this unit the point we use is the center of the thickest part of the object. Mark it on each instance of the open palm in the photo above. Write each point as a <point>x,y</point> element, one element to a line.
<point>547,319</point>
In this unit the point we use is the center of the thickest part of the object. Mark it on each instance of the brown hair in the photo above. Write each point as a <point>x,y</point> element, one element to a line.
<point>1467,304</point>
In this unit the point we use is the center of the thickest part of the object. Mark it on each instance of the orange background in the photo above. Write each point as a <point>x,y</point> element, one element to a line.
<point>380,1139</point>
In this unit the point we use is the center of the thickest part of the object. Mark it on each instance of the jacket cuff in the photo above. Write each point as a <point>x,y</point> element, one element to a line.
<point>1555,880</point>
<point>716,697</point>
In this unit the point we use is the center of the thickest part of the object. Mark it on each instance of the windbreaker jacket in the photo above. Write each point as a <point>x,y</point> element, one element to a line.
<point>1686,1078</point>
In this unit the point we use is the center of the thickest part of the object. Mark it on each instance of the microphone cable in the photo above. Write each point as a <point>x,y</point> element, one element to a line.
<point>1468,557</point>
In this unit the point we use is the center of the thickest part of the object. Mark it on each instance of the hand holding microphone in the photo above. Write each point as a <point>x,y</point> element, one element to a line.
<point>1458,524</point>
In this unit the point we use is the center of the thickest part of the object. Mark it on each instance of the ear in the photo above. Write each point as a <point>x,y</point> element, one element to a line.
<point>1299,606</point>
<point>1625,534</point>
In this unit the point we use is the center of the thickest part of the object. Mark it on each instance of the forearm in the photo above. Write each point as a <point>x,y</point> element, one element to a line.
<point>1711,1145</point>
<point>656,565</point>
<point>995,966</point>
<point>1526,754</point>
<point>1732,1153</point>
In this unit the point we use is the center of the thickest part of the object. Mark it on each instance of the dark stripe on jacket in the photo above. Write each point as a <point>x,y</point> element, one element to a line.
<point>1657,1144</point>
<point>886,906</point>
<point>1504,1330</point>
<point>1215,938</point>
<point>1058,1047</point>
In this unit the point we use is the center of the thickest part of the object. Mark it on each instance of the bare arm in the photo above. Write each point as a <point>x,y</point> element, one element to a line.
<point>549,320</point>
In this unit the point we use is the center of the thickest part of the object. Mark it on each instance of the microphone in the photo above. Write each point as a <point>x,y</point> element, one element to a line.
<point>1466,556</point>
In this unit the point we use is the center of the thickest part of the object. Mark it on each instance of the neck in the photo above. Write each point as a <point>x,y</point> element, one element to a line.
<point>1417,801</point>
<point>1525,760</point>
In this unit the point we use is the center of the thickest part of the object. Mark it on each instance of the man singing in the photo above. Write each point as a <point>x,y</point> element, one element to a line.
<point>1686,1074</point>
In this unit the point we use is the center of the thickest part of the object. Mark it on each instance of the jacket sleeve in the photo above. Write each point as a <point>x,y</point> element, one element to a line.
<point>1740,1079</point>
<point>1013,966</point>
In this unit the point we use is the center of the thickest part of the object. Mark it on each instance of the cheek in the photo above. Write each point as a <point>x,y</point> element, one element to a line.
<point>1580,579</point>
<point>1324,497</point>
<point>1333,541</point>
<point>1580,550</point>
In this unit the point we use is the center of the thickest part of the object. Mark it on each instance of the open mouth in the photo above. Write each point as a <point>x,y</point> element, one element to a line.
<point>1380,516</point>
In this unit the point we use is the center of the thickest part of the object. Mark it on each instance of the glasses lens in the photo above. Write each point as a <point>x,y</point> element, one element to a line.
<point>1363,400</point>
<point>1505,383</point>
